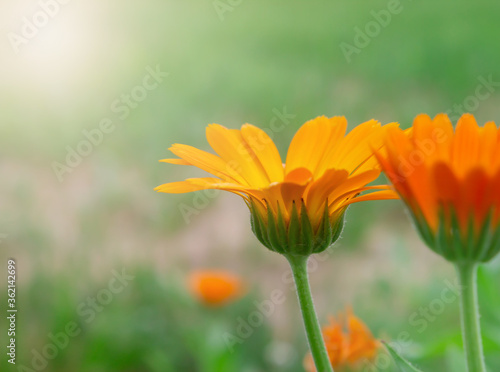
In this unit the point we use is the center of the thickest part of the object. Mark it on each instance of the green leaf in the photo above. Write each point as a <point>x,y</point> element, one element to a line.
<point>402,363</point>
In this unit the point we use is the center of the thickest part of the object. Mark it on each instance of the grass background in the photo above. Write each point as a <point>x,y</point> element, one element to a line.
<point>230,68</point>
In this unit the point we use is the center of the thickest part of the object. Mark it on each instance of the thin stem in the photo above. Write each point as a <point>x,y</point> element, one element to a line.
<point>313,330</point>
<point>471,331</point>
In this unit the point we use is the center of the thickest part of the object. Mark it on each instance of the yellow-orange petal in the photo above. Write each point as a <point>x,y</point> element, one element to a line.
<point>264,148</point>
<point>353,183</point>
<point>488,145</point>
<point>291,193</point>
<point>231,147</point>
<point>205,183</point>
<point>215,287</point>
<point>356,147</point>
<point>208,162</point>
<point>348,341</point>
<point>319,192</point>
<point>362,344</point>
<point>422,128</point>
<point>377,195</point>
<point>447,191</point>
<point>476,195</point>
<point>300,176</point>
<point>442,137</point>
<point>188,185</point>
<point>465,150</point>
<point>175,161</point>
<point>311,142</point>
<point>349,197</point>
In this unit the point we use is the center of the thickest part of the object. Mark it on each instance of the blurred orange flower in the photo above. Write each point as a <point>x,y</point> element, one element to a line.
<point>215,288</point>
<point>450,180</point>
<point>348,342</point>
<point>297,207</point>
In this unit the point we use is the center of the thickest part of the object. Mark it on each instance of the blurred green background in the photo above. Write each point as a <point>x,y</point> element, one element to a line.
<point>73,215</point>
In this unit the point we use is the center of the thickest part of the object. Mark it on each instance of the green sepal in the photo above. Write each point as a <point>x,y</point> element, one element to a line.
<point>485,240</point>
<point>470,242</point>
<point>494,245</point>
<point>325,231</point>
<point>306,234</point>
<point>299,237</point>
<point>293,231</point>
<point>457,244</point>
<point>442,243</point>
<point>281,228</point>
<point>272,232</point>
<point>424,230</point>
<point>258,225</point>
<point>338,226</point>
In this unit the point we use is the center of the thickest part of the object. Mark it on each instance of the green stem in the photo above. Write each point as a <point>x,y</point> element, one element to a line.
<point>470,317</point>
<point>313,330</point>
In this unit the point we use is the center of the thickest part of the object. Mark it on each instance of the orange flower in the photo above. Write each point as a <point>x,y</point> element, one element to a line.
<point>296,207</point>
<point>450,180</point>
<point>346,348</point>
<point>215,288</point>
